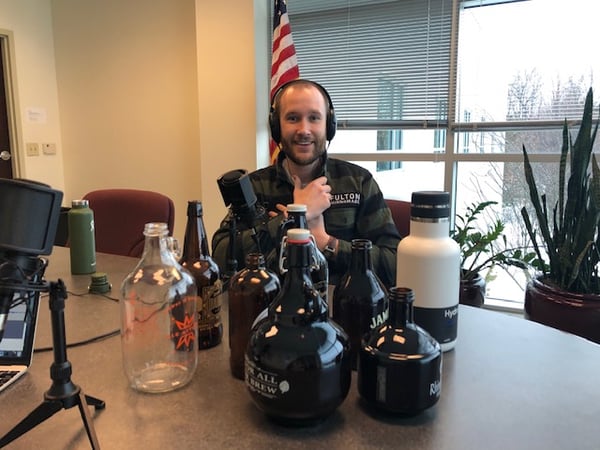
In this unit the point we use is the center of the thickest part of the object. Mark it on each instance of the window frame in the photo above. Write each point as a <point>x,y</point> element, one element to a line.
<point>449,130</point>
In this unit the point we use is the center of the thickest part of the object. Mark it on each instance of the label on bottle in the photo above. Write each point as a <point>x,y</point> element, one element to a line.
<point>209,306</point>
<point>183,328</point>
<point>379,319</point>
<point>264,383</point>
<point>441,323</point>
<point>381,385</point>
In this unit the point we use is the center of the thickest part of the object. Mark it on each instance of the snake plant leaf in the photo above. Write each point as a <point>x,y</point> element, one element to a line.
<point>571,247</point>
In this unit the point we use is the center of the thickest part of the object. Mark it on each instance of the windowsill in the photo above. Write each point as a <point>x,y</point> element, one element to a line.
<point>506,292</point>
<point>505,306</point>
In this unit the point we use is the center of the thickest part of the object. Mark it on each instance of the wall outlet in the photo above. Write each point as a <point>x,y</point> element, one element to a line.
<point>49,148</point>
<point>32,149</point>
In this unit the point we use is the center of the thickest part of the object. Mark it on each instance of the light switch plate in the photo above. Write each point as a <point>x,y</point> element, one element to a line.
<point>32,149</point>
<point>49,148</point>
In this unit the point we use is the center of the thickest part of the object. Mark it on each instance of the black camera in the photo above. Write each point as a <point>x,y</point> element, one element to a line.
<point>239,196</point>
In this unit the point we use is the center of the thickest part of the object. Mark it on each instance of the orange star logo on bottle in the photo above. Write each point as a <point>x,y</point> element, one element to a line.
<point>186,332</point>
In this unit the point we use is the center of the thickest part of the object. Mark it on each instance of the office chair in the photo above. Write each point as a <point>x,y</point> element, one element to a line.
<point>401,214</point>
<point>120,216</point>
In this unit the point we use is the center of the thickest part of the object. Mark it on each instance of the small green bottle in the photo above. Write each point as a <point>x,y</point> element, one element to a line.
<point>81,238</point>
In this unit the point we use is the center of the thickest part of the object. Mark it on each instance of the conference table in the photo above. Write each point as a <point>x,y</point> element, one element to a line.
<point>509,384</point>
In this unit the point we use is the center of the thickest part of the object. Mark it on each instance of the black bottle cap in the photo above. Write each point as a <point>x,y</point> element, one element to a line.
<point>430,204</point>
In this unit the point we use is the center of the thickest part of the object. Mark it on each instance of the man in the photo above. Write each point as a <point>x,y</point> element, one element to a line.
<point>343,200</point>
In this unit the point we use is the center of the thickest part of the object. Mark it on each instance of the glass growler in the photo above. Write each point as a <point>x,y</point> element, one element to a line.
<point>251,290</point>
<point>298,367</point>
<point>195,257</point>
<point>400,364</point>
<point>360,302</point>
<point>158,318</point>
<point>319,268</point>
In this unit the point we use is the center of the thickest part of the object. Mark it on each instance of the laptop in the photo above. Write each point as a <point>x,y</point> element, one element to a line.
<point>16,347</point>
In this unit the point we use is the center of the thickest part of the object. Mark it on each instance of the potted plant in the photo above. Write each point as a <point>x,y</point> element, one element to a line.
<point>566,292</point>
<point>482,250</point>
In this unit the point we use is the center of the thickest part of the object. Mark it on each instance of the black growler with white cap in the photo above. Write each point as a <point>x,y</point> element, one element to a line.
<point>298,366</point>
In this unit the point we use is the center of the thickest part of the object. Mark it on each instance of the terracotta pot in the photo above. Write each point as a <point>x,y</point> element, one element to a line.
<point>575,313</point>
<point>472,292</point>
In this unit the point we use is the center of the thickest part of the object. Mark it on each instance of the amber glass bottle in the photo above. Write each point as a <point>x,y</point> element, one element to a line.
<point>297,362</point>
<point>251,290</point>
<point>360,302</point>
<point>195,257</point>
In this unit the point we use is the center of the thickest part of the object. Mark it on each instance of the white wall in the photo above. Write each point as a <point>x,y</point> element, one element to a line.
<point>233,93</point>
<point>28,25</point>
<point>127,87</point>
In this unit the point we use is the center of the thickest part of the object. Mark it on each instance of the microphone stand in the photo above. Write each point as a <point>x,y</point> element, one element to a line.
<point>232,262</point>
<point>63,394</point>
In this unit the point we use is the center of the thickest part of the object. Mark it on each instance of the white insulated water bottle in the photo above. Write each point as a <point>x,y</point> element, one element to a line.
<point>428,262</point>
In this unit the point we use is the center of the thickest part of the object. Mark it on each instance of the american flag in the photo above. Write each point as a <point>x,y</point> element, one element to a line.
<point>284,64</point>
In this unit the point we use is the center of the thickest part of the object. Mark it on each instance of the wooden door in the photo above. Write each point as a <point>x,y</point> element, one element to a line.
<point>6,151</point>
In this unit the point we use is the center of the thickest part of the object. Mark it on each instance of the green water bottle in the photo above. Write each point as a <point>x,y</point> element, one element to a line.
<point>81,238</point>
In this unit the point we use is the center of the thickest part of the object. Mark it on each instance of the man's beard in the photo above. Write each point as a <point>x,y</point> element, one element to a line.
<point>305,159</point>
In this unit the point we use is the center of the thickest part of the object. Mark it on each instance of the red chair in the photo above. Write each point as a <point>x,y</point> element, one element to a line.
<point>120,216</point>
<point>401,214</point>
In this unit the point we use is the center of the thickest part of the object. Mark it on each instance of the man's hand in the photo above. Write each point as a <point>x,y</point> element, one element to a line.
<point>316,195</point>
<point>281,208</point>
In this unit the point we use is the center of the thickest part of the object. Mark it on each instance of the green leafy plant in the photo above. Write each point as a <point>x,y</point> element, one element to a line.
<point>567,242</point>
<point>481,250</point>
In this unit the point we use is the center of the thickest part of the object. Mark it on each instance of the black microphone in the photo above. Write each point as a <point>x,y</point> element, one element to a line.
<point>239,196</point>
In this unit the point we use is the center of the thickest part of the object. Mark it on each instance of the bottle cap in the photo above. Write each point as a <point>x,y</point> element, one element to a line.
<point>99,284</point>
<point>80,203</point>
<point>430,204</point>
<point>296,207</point>
<point>298,235</point>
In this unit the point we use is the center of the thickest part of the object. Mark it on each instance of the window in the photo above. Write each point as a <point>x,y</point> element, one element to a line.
<point>419,90</point>
<point>389,108</point>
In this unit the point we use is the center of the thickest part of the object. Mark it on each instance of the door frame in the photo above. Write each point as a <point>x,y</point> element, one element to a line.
<point>10,84</point>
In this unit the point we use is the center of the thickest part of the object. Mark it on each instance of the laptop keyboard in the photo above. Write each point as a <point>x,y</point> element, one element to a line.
<point>6,376</point>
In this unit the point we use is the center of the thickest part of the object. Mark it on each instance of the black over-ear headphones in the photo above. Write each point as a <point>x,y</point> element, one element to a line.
<point>274,123</point>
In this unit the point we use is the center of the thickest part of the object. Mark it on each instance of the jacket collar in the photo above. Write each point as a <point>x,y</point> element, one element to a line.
<point>282,174</point>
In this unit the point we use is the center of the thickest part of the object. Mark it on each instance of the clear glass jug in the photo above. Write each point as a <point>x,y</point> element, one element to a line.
<point>159,325</point>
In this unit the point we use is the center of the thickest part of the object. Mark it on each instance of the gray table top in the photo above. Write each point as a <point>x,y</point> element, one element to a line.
<point>509,384</point>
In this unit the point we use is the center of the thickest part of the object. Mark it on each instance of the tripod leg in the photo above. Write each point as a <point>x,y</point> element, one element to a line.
<point>95,402</point>
<point>63,393</point>
<point>87,420</point>
<point>45,410</point>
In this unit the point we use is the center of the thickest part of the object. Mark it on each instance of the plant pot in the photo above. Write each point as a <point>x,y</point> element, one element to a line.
<point>472,292</point>
<point>575,313</point>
